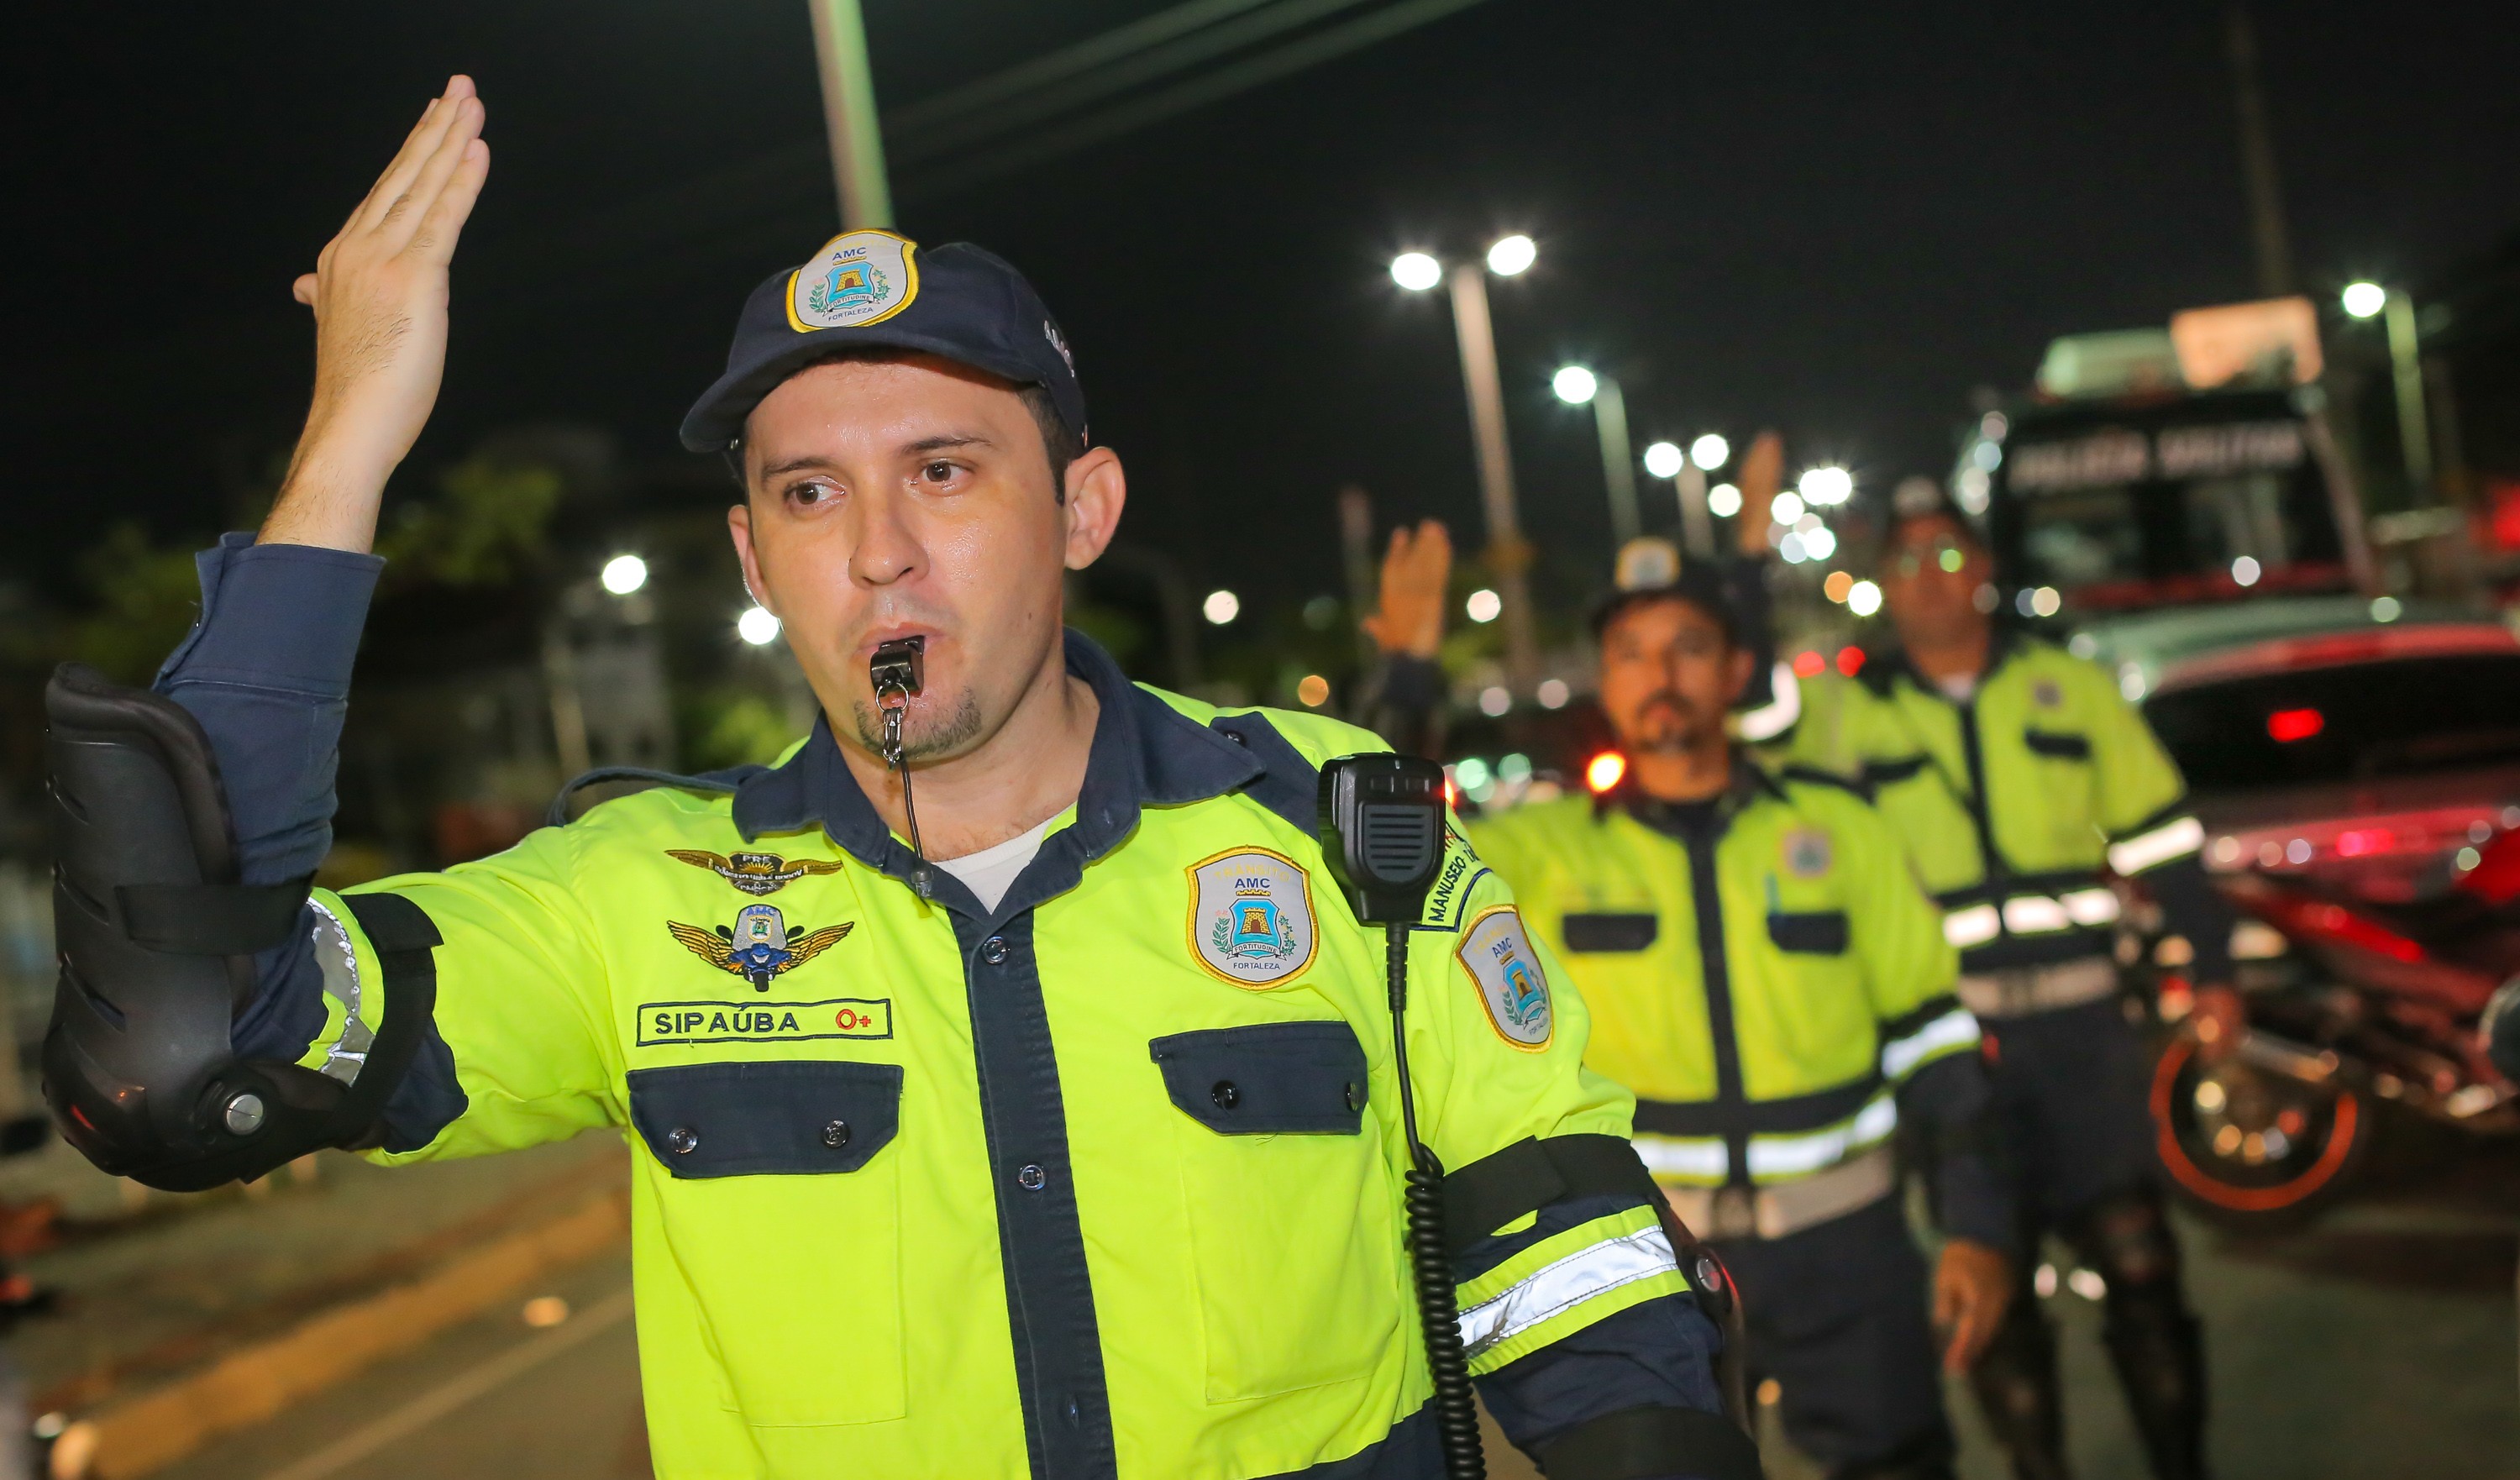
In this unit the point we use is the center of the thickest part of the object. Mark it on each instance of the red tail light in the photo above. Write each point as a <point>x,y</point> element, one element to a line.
<point>1809,664</point>
<point>1850,661</point>
<point>2285,726</point>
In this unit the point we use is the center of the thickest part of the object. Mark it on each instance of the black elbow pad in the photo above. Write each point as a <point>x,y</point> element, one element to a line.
<point>157,942</point>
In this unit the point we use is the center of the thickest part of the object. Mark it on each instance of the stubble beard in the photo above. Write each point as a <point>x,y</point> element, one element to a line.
<point>922,738</point>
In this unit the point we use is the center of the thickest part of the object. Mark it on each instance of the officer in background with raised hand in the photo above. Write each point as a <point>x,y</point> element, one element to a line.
<point>1040,1124</point>
<point>1763,971</point>
<point>2017,775</point>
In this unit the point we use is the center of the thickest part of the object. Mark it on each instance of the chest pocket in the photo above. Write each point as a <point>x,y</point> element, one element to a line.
<point>1280,1078</point>
<point>1292,1213</point>
<point>2057,748</point>
<point>1611,932</point>
<point>791,1152</point>
<point>1812,932</point>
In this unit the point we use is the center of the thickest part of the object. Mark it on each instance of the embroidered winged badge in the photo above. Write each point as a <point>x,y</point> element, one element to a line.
<point>754,872</point>
<point>761,945</point>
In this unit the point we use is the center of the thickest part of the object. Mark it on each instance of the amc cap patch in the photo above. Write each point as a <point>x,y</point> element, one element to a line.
<point>1497,953</point>
<point>859,277</point>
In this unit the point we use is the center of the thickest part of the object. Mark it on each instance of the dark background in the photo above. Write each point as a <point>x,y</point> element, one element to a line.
<point>1835,218</point>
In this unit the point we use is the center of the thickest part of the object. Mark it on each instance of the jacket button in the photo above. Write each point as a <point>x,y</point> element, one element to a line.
<point>1355,1095</point>
<point>837,1135</point>
<point>1032,1179</point>
<point>1226,1096</point>
<point>994,949</point>
<point>682,1141</point>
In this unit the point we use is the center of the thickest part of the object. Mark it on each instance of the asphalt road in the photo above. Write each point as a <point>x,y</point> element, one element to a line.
<point>2379,1342</point>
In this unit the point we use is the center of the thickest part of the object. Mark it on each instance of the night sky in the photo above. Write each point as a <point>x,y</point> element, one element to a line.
<point>1834,218</point>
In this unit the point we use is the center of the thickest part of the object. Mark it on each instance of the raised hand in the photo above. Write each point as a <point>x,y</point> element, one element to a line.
<point>1763,472</point>
<point>1415,571</point>
<point>379,293</point>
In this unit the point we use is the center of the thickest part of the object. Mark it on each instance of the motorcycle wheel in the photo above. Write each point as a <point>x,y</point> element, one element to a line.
<point>2251,1145</point>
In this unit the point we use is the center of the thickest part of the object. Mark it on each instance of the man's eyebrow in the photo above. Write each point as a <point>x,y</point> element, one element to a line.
<point>948,440</point>
<point>943,441</point>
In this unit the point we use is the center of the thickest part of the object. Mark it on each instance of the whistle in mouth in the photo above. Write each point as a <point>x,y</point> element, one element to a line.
<point>895,668</point>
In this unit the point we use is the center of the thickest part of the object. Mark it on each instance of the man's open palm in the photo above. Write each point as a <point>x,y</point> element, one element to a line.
<point>379,293</point>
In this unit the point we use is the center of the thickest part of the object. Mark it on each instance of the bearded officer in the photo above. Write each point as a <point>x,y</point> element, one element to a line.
<point>1065,1149</point>
<point>2018,779</point>
<point>1763,971</point>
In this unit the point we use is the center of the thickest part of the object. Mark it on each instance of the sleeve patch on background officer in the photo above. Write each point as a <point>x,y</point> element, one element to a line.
<point>761,945</point>
<point>1498,954</point>
<point>754,872</point>
<point>1251,917</point>
<point>859,277</point>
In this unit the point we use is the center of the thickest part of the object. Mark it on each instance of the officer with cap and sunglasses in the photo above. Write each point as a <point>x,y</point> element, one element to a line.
<point>1043,1123</point>
<point>2020,781</point>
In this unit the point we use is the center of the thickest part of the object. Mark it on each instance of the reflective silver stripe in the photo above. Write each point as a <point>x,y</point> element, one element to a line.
<point>2023,991</point>
<point>339,966</point>
<point>2090,907</point>
<point>1954,1029</point>
<point>2152,849</point>
<point>1694,1157</point>
<point>1974,926</point>
<point>1789,1207</point>
<point>1795,1155</point>
<point>2035,915</point>
<point>1595,1269</point>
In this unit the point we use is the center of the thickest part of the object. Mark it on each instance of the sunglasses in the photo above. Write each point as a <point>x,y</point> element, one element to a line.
<point>1945,554</point>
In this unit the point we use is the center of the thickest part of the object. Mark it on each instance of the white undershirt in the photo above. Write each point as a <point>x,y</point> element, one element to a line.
<point>990,873</point>
<point>1961,687</point>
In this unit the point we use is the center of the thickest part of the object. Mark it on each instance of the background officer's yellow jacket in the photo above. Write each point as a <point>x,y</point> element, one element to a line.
<point>1163,1242</point>
<point>1765,990</point>
<point>2012,802</point>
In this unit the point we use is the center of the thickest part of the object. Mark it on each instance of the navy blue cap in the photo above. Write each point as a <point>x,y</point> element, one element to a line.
<point>957,303</point>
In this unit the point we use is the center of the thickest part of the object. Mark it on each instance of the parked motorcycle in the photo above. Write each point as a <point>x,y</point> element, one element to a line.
<point>2359,997</point>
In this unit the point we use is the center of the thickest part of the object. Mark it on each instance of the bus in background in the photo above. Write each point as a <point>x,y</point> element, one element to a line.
<point>2171,466</point>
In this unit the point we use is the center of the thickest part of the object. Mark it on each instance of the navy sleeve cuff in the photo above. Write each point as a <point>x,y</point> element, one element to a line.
<point>1659,1354</point>
<point>276,616</point>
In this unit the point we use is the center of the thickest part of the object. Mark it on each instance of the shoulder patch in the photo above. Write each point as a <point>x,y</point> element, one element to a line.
<point>1454,881</point>
<point>1497,953</point>
<point>1251,917</point>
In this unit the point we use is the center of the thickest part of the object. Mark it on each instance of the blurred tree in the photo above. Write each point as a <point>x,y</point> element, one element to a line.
<point>146,599</point>
<point>489,524</point>
<point>731,726</point>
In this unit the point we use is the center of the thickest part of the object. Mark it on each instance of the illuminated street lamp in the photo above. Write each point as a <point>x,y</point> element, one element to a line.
<point>623,574</point>
<point>1474,333</point>
<point>2396,313</point>
<point>1664,459</point>
<point>1578,387</point>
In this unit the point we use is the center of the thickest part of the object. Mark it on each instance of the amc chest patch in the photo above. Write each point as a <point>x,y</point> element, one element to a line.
<point>669,1023</point>
<point>761,946</point>
<point>1497,953</point>
<point>1807,853</point>
<point>1251,917</point>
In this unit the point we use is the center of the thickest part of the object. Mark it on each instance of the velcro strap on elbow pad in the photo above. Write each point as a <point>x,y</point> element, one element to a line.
<point>211,919</point>
<point>1533,1173</point>
<point>403,935</point>
<point>1636,1443</point>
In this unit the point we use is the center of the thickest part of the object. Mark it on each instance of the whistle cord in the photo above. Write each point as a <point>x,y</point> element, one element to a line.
<point>1439,1317</point>
<point>893,754</point>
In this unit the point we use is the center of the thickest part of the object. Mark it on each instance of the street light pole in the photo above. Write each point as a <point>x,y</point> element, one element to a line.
<point>2405,360</point>
<point>848,114</point>
<point>1506,549</point>
<point>1618,459</point>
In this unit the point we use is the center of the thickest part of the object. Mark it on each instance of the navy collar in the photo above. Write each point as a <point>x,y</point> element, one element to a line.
<point>1145,753</point>
<point>2002,645</point>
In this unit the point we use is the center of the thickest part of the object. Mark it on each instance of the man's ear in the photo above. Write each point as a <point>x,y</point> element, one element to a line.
<point>739,527</point>
<point>1096,491</point>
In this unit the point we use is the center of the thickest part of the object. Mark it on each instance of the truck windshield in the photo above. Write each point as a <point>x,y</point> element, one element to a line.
<point>2353,722</point>
<point>2124,514</point>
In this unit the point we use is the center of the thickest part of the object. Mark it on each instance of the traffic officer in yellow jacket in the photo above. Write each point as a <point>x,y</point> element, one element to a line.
<point>1763,971</point>
<point>2019,780</point>
<point>1042,1124</point>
